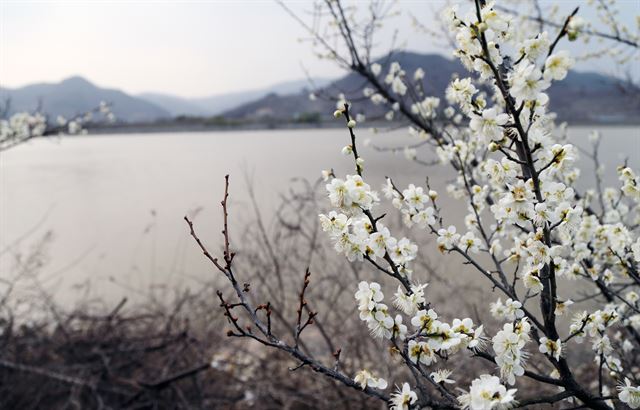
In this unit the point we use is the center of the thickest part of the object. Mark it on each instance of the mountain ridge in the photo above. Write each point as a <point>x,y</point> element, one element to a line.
<point>217,103</point>
<point>581,97</point>
<point>76,95</point>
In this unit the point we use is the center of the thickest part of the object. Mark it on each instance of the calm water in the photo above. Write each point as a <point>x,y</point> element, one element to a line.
<point>115,203</point>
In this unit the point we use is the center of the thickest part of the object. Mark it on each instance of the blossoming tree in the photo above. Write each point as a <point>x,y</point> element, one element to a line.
<point>21,127</point>
<point>528,232</point>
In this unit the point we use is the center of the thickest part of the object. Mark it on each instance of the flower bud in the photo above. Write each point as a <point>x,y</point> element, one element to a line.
<point>351,124</point>
<point>482,27</point>
<point>337,113</point>
<point>433,194</point>
<point>347,150</point>
<point>493,147</point>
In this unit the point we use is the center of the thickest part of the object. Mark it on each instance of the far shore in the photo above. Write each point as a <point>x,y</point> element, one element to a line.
<point>173,127</point>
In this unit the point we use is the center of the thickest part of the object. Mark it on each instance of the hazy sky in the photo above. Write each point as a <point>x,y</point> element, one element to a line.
<point>186,48</point>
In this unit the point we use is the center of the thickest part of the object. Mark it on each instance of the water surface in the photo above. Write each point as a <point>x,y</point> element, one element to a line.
<point>115,203</point>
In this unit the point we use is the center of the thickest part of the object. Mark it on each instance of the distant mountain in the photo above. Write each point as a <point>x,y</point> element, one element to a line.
<point>175,105</point>
<point>581,97</point>
<point>217,104</point>
<point>76,95</point>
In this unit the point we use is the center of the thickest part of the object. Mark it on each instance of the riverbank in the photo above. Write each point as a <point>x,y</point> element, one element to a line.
<point>236,125</point>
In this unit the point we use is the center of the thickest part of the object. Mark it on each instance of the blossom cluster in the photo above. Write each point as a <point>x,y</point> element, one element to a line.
<point>354,233</point>
<point>508,344</point>
<point>486,392</point>
<point>376,314</point>
<point>23,126</point>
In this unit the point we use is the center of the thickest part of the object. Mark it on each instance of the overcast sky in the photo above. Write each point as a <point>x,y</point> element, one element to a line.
<point>194,48</point>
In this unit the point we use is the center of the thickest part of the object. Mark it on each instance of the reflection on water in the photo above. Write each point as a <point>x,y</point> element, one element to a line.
<point>115,203</point>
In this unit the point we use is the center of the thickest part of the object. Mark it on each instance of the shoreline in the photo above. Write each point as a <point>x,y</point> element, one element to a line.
<point>154,128</point>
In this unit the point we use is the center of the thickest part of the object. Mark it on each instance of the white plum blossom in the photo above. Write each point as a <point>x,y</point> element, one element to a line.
<point>536,47</point>
<point>351,195</point>
<point>526,82</point>
<point>22,126</point>
<point>561,306</point>
<point>498,22</point>
<point>557,66</point>
<point>395,79</point>
<point>426,108</point>
<point>576,24</point>
<point>460,92</point>
<point>373,312</point>
<point>415,196</point>
<point>488,126</point>
<point>424,319</point>
<point>508,345</point>
<point>510,310</point>
<point>443,337</point>
<point>365,379</point>
<point>379,242</point>
<point>404,251</point>
<point>399,329</point>
<point>487,393</point>
<point>341,102</point>
<point>465,332</point>
<point>448,238</point>
<point>376,69</point>
<point>421,352</point>
<point>442,376</point>
<point>629,394</point>
<point>398,86</point>
<point>403,398</point>
<point>470,243</point>
<point>368,295</point>
<point>630,183</point>
<point>424,217</point>
<point>409,303</point>
<point>551,347</point>
<point>335,224</point>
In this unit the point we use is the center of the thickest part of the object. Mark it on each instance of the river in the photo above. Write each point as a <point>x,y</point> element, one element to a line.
<point>114,203</point>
